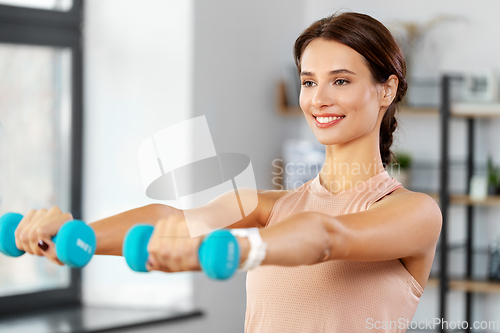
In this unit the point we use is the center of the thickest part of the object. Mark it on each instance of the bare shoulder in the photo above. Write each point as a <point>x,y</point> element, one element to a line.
<point>404,202</point>
<point>404,195</point>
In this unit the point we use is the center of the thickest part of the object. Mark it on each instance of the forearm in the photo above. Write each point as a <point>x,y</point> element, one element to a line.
<point>304,239</point>
<point>111,230</point>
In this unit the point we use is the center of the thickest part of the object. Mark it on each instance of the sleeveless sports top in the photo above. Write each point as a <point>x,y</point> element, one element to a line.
<point>338,295</point>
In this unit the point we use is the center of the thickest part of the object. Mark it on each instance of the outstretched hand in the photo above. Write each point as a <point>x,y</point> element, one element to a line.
<point>36,229</point>
<point>171,248</point>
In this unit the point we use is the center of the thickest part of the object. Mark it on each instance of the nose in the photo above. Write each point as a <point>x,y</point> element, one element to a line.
<point>322,98</point>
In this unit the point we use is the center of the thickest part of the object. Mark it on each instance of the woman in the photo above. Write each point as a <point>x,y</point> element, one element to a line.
<point>349,250</point>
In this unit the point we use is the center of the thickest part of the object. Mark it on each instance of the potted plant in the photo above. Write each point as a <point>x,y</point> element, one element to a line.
<point>400,168</point>
<point>493,178</point>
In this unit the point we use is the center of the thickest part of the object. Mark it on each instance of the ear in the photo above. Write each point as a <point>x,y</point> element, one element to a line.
<point>389,91</point>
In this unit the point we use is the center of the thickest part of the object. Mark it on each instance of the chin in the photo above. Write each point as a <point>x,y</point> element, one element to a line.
<point>328,141</point>
<point>327,138</point>
<point>336,136</point>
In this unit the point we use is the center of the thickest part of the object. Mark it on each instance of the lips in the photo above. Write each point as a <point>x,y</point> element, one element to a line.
<point>326,114</point>
<point>326,121</point>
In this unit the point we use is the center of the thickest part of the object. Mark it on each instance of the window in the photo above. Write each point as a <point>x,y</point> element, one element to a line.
<point>40,137</point>
<point>35,102</point>
<point>62,5</point>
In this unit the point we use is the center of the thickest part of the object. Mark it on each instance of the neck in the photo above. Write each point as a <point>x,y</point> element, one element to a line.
<point>350,163</point>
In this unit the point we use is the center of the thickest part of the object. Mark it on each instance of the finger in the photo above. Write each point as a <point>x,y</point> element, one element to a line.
<point>154,246</point>
<point>177,244</point>
<point>55,261</point>
<point>190,260</point>
<point>20,228</point>
<point>189,248</point>
<point>170,255</point>
<point>150,264</point>
<point>27,231</point>
<point>43,224</point>
<point>48,228</point>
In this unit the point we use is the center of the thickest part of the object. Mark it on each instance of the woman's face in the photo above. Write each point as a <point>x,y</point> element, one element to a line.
<point>336,82</point>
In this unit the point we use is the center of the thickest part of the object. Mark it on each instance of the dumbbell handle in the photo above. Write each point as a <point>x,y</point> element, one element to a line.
<point>75,241</point>
<point>219,252</point>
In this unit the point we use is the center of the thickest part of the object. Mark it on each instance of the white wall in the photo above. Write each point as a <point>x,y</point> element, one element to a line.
<point>469,44</point>
<point>138,78</point>
<point>240,48</point>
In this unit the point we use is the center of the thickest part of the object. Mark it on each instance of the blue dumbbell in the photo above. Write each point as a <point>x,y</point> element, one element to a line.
<point>75,241</point>
<point>219,253</point>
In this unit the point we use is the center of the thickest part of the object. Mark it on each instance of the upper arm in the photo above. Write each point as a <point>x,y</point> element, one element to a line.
<point>230,211</point>
<point>400,226</point>
<point>259,216</point>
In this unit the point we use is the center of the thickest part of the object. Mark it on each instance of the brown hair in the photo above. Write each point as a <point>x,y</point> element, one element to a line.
<point>375,43</point>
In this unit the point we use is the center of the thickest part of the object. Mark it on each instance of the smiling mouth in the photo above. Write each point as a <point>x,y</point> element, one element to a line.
<point>326,120</point>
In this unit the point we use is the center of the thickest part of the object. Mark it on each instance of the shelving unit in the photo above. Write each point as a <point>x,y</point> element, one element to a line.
<point>469,285</point>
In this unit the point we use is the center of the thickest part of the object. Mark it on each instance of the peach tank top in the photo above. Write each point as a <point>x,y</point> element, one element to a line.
<point>338,295</point>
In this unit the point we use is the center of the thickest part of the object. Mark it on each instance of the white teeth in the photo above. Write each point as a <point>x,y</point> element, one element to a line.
<point>325,120</point>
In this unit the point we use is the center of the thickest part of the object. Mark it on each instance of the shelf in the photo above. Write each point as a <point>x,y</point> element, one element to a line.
<point>492,200</point>
<point>458,246</point>
<point>432,282</point>
<point>468,285</point>
<point>463,199</point>
<point>418,111</point>
<point>468,110</point>
<point>475,286</point>
<point>283,108</point>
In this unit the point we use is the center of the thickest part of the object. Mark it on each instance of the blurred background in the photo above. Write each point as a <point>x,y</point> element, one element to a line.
<point>84,82</point>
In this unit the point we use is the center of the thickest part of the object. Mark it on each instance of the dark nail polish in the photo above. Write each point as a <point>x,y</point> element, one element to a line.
<point>42,245</point>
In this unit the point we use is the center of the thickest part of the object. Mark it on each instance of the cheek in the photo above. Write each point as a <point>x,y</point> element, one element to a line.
<point>358,98</point>
<point>364,102</point>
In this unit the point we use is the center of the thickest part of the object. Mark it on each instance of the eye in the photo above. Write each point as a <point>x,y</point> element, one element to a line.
<point>341,82</point>
<point>308,84</point>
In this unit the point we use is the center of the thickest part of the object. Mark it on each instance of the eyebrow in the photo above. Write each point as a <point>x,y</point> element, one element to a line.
<point>334,72</point>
